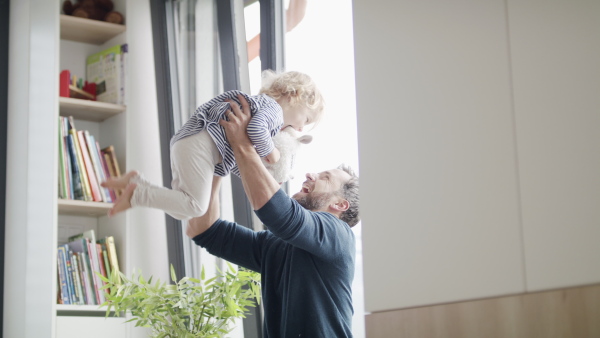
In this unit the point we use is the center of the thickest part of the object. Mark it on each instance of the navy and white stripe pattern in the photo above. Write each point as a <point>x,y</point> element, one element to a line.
<point>266,121</point>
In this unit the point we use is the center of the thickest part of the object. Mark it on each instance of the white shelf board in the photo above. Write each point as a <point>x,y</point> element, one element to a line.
<point>76,207</point>
<point>88,31</point>
<point>89,110</point>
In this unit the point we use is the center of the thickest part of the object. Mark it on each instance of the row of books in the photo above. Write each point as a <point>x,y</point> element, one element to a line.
<point>107,69</point>
<point>83,165</point>
<point>78,262</point>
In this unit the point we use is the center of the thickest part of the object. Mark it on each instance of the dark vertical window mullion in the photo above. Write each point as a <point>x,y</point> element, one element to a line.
<point>165,99</point>
<point>4,26</point>
<point>242,210</point>
<point>272,44</point>
<point>272,41</point>
<point>228,50</point>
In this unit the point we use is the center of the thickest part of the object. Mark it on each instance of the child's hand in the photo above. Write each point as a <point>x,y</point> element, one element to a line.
<point>273,157</point>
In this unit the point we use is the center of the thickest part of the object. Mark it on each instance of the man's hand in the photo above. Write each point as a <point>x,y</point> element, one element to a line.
<point>259,185</point>
<point>235,128</point>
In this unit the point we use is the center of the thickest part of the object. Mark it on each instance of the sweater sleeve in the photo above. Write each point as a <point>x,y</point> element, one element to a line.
<point>264,124</point>
<point>234,243</point>
<point>320,233</point>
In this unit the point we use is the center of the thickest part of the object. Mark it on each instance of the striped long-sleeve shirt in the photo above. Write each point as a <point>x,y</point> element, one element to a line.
<point>266,121</point>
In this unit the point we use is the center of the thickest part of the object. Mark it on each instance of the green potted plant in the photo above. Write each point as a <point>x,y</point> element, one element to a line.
<point>189,308</point>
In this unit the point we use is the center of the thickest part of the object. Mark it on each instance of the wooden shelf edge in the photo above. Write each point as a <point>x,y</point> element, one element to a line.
<point>84,311</point>
<point>89,110</point>
<point>88,308</point>
<point>89,104</point>
<point>75,207</point>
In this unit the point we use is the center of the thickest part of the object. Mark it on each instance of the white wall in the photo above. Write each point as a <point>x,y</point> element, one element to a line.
<point>29,296</point>
<point>454,163</point>
<point>146,237</point>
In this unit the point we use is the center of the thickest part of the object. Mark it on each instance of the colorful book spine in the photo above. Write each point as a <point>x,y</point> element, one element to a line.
<point>77,279</point>
<point>62,277</point>
<point>97,164</point>
<point>89,168</point>
<point>62,170</point>
<point>113,164</point>
<point>64,252</point>
<point>67,158</point>
<point>103,270</point>
<point>78,192</point>
<point>81,277</point>
<point>113,195</point>
<point>87,192</point>
<point>111,251</point>
<point>89,284</point>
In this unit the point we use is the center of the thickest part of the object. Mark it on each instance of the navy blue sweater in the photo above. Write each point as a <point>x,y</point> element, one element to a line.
<point>306,261</point>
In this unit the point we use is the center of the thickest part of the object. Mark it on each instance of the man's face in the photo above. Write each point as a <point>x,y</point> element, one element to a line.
<point>319,190</point>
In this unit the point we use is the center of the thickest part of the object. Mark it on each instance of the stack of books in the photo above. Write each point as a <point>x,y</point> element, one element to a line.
<point>78,262</point>
<point>83,165</point>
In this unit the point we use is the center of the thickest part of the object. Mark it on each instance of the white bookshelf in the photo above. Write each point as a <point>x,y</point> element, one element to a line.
<point>37,221</point>
<point>80,38</point>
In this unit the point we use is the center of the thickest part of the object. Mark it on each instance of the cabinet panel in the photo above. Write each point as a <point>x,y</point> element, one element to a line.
<point>439,198</point>
<point>90,327</point>
<point>555,52</point>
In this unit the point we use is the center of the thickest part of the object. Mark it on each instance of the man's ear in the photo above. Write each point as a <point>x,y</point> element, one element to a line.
<point>341,205</point>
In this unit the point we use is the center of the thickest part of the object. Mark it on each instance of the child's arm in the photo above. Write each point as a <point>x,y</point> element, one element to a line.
<point>273,157</point>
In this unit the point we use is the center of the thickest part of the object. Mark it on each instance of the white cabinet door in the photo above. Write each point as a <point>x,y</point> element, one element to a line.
<point>555,56</point>
<point>90,327</point>
<point>439,197</point>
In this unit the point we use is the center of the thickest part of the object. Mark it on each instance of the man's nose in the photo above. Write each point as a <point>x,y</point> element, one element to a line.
<point>310,176</point>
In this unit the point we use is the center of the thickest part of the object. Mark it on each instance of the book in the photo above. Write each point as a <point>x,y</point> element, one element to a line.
<point>105,69</point>
<point>67,158</point>
<point>111,251</point>
<point>63,187</point>
<point>90,237</point>
<point>113,195</point>
<point>89,168</point>
<point>77,186</point>
<point>62,276</point>
<point>87,277</point>
<point>80,245</point>
<point>102,263</point>
<point>85,184</point>
<point>113,164</point>
<point>97,164</point>
<point>76,279</point>
<point>85,294</point>
<point>64,252</point>
<point>105,257</point>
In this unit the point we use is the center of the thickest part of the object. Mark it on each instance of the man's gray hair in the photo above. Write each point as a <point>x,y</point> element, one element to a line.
<point>349,192</point>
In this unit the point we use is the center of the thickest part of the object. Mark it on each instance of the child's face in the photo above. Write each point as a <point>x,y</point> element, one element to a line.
<point>297,116</point>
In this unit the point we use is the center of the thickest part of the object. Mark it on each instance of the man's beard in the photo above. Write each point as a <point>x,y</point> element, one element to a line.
<point>314,201</point>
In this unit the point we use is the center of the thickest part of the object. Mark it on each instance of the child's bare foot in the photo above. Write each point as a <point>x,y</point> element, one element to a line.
<point>119,182</point>
<point>124,201</point>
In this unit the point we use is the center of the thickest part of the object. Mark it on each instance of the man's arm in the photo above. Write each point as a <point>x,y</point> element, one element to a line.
<point>259,185</point>
<point>198,225</point>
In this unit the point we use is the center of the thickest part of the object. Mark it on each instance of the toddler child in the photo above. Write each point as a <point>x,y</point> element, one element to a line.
<point>200,149</point>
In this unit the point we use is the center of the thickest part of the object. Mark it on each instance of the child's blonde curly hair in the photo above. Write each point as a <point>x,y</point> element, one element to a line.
<point>298,87</point>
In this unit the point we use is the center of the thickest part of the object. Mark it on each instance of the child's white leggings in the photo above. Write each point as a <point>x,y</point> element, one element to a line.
<point>193,161</point>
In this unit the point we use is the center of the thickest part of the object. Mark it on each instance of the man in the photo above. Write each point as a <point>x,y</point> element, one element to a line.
<point>306,257</point>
